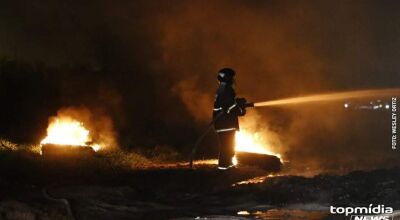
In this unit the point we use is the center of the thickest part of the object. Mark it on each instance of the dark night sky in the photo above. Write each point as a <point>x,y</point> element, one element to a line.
<point>150,65</point>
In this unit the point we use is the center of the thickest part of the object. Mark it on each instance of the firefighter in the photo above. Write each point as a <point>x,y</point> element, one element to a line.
<point>225,115</point>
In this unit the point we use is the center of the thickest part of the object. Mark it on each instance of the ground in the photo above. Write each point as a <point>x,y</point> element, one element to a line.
<point>97,188</point>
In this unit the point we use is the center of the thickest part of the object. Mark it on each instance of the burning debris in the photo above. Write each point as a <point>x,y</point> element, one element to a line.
<point>267,162</point>
<point>67,136</point>
<point>252,142</point>
<point>56,150</point>
<point>251,149</point>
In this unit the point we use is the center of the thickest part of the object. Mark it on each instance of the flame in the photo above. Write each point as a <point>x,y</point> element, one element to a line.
<point>252,142</point>
<point>67,131</point>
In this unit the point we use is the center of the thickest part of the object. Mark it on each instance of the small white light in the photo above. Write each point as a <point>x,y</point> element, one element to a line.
<point>387,106</point>
<point>346,105</point>
<point>234,160</point>
<point>243,213</point>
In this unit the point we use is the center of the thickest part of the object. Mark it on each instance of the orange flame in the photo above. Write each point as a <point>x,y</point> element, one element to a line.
<point>67,131</point>
<point>252,142</point>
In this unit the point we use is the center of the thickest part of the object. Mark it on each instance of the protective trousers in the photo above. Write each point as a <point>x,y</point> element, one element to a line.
<point>227,148</point>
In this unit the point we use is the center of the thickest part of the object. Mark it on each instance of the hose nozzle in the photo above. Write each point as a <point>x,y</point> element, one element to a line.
<point>242,102</point>
<point>249,105</point>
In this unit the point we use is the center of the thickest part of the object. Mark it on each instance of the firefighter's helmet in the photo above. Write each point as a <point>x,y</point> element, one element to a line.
<point>226,75</point>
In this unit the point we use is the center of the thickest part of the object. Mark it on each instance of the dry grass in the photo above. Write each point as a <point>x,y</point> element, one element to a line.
<point>123,159</point>
<point>24,157</point>
<point>6,145</point>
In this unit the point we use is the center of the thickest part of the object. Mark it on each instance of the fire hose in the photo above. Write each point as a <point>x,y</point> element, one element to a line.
<point>240,102</point>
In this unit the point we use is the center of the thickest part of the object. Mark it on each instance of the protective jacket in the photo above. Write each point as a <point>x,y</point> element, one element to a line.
<point>226,109</point>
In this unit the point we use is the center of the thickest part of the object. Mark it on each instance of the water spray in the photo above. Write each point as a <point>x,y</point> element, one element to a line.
<point>330,97</point>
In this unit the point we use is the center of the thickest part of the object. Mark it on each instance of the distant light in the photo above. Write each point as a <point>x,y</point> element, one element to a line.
<point>346,105</point>
<point>243,213</point>
<point>380,105</point>
<point>387,106</point>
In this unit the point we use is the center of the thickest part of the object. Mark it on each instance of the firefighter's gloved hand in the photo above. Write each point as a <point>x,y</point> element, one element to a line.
<point>240,108</point>
<point>241,111</point>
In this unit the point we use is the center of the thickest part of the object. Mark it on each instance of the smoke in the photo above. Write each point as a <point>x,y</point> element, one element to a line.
<point>284,50</point>
<point>197,102</point>
<point>326,137</point>
<point>150,67</point>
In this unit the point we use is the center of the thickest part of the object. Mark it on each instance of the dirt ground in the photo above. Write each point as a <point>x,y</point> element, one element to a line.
<point>33,188</point>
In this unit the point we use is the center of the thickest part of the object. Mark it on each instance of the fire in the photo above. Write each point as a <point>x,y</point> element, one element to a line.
<point>67,131</point>
<point>252,142</point>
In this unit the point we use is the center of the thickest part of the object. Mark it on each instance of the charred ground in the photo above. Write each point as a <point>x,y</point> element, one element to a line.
<point>105,186</point>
